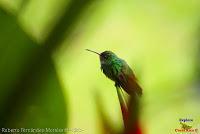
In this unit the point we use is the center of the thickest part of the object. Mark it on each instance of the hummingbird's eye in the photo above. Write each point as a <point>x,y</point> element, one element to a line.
<point>105,56</point>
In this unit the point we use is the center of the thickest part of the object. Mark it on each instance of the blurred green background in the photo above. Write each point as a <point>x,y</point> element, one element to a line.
<point>49,80</point>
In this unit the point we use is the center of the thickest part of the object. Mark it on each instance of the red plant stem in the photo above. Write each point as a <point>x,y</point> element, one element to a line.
<point>130,113</point>
<point>123,105</point>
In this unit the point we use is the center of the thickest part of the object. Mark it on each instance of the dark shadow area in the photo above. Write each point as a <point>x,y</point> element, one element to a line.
<point>30,93</point>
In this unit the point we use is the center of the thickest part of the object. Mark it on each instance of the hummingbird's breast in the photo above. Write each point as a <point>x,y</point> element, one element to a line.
<point>111,69</point>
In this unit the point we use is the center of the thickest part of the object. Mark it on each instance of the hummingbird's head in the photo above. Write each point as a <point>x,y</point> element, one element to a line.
<point>106,57</point>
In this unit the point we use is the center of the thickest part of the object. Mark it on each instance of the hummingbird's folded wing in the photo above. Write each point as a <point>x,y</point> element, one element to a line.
<point>128,81</point>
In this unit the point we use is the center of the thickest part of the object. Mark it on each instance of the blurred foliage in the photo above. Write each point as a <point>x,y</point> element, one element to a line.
<point>43,60</point>
<point>30,93</point>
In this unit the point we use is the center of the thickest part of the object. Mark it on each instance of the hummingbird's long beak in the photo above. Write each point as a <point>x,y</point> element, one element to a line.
<point>92,51</point>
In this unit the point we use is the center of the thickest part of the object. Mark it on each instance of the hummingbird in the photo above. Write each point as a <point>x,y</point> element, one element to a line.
<point>119,71</point>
